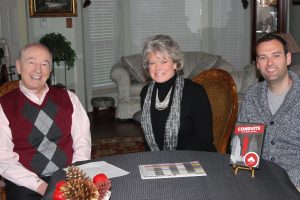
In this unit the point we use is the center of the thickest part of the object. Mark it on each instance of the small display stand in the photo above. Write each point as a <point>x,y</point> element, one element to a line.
<point>236,168</point>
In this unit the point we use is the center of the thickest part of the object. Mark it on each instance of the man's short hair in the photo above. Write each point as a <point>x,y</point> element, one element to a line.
<point>272,36</point>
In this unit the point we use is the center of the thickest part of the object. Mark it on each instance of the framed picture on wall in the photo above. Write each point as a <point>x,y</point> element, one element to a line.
<point>52,8</point>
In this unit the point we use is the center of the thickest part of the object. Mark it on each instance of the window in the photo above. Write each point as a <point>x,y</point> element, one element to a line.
<point>179,19</point>
<point>102,36</point>
<point>230,32</point>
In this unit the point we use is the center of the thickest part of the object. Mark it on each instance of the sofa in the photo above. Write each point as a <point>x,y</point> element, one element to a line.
<point>129,76</point>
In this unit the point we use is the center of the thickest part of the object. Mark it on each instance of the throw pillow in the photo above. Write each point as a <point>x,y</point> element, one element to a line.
<point>250,77</point>
<point>223,64</point>
<point>206,61</point>
<point>134,66</point>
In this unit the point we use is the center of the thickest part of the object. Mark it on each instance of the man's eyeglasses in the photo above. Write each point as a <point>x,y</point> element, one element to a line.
<point>33,63</point>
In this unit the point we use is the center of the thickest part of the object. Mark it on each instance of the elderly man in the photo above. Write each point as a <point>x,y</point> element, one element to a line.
<point>42,128</point>
<point>276,103</point>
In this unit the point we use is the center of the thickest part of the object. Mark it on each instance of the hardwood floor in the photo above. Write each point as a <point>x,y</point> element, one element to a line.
<point>103,125</point>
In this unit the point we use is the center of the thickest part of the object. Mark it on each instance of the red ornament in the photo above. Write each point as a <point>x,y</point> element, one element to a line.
<point>58,195</point>
<point>60,183</point>
<point>100,178</point>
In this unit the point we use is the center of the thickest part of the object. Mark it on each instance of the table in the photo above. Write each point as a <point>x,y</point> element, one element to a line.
<point>270,182</point>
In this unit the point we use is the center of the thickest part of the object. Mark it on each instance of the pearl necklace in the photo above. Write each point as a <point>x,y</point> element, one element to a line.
<point>161,105</point>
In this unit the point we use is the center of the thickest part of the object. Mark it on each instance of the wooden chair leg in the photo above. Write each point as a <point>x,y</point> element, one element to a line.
<point>2,189</point>
<point>3,193</point>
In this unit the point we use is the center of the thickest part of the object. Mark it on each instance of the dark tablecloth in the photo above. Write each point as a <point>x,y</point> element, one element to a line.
<point>270,182</point>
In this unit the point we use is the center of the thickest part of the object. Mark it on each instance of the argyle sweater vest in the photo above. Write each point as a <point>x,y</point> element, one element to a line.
<point>41,133</point>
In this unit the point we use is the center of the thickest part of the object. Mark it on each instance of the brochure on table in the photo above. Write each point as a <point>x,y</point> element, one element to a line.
<point>171,170</point>
<point>246,144</point>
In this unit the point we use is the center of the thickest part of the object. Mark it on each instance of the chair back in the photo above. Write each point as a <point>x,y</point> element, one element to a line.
<point>222,94</point>
<point>8,86</point>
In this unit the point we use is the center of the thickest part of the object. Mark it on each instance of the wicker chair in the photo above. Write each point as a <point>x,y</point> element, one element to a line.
<point>8,86</point>
<point>222,94</point>
<point>5,88</point>
<point>2,189</point>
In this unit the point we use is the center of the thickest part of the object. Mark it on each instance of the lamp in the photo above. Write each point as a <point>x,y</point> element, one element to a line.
<point>292,44</point>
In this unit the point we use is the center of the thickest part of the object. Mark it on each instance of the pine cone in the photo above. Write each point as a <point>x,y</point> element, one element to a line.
<point>74,172</point>
<point>103,187</point>
<point>79,186</point>
<point>79,189</point>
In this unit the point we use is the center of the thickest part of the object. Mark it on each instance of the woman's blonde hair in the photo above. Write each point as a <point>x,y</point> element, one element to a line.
<point>164,44</point>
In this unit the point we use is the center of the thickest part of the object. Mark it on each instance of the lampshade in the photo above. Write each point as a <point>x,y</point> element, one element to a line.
<point>292,44</point>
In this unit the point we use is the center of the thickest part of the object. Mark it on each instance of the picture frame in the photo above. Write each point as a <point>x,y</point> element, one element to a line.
<point>48,8</point>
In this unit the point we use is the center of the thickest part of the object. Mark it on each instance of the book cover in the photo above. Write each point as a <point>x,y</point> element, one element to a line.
<point>171,170</point>
<point>246,144</point>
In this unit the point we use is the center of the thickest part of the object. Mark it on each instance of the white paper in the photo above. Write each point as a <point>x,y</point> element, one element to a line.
<point>94,168</point>
<point>107,196</point>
